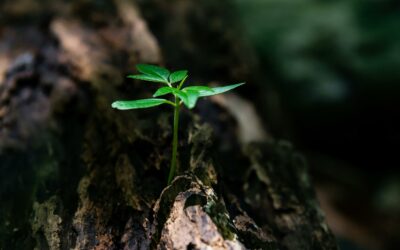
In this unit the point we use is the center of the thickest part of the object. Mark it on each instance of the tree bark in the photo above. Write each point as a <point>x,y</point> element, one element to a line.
<point>76,174</point>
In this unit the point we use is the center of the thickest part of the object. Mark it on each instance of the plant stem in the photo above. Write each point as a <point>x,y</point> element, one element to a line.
<point>174,141</point>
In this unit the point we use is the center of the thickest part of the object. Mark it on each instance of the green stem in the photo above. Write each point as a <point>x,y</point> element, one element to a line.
<point>174,141</point>
<point>181,83</point>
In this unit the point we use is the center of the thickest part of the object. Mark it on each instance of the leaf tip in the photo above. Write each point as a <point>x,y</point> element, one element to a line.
<point>114,105</point>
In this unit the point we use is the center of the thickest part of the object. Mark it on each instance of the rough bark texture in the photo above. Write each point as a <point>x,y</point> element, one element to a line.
<point>76,174</point>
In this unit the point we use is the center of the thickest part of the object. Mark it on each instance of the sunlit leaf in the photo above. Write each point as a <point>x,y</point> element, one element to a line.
<point>154,71</point>
<point>179,93</point>
<point>200,89</point>
<point>138,104</point>
<point>164,91</point>
<point>149,78</point>
<point>192,95</point>
<point>182,95</point>
<point>177,76</point>
<point>169,90</point>
<point>219,90</point>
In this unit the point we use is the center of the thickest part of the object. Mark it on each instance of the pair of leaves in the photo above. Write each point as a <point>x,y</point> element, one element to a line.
<point>188,95</point>
<point>154,73</point>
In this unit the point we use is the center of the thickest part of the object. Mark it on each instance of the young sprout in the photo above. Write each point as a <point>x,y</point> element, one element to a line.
<point>173,85</point>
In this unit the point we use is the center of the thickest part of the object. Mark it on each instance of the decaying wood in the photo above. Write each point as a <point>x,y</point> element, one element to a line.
<point>76,174</point>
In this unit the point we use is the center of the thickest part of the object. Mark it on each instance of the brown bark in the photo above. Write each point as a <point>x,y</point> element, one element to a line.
<point>76,174</point>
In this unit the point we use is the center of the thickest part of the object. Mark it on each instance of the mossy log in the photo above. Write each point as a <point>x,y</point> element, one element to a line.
<point>76,174</point>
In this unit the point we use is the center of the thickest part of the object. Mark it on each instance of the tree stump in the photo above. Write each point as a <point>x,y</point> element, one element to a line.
<point>76,174</point>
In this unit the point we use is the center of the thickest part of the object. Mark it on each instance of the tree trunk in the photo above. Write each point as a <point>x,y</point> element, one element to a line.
<point>76,174</point>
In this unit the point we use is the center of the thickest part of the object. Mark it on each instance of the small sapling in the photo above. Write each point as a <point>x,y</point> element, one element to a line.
<point>174,85</point>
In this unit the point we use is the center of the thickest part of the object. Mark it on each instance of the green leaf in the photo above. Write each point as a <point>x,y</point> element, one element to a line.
<point>138,104</point>
<point>164,91</point>
<point>200,89</point>
<point>177,76</point>
<point>192,95</point>
<point>220,90</point>
<point>182,95</point>
<point>169,90</point>
<point>153,70</point>
<point>149,78</point>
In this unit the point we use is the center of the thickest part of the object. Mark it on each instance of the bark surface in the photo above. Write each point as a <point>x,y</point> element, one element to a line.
<point>76,174</point>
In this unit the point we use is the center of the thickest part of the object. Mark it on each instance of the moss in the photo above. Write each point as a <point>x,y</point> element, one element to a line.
<point>46,223</point>
<point>219,215</point>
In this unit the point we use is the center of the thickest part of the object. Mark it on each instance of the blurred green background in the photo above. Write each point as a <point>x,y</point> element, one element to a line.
<point>335,66</point>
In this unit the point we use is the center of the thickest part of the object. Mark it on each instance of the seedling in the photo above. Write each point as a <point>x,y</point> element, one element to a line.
<point>174,83</point>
